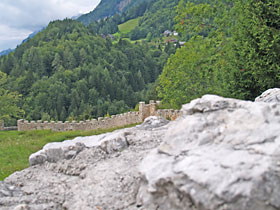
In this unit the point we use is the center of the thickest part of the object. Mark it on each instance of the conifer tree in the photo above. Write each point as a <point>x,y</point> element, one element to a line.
<point>257,47</point>
<point>9,109</point>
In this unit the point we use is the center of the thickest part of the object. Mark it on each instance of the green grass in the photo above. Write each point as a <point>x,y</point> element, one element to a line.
<point>16,147</point>
<point>128,25</point>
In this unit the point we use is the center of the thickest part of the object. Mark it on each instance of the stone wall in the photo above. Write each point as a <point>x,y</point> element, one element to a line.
<point>151,109</point>
<point>120,120</point>
<point>101,123</point>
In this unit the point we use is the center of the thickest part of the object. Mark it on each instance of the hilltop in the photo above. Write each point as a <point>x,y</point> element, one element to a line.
<point>108,8</point>
<point>5,52</point>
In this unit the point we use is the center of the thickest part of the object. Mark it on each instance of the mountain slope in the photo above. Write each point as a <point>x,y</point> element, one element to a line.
<point>65,72</point>
<point>157,18</point>
<point>5,52</point>
<point>107,8</point>
<point>33,34</point>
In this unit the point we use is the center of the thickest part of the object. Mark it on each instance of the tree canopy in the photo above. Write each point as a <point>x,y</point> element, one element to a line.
<point>9,109</point>
<point>233,50</point>
<point>65,72</point>
<point>68,71</point>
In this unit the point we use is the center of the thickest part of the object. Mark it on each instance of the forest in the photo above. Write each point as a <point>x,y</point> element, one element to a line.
<point>108,8</point>
<point>232,50</point>
<point>69,71</point>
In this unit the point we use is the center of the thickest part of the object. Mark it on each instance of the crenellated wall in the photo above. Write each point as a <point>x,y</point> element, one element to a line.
<point>120,120</point>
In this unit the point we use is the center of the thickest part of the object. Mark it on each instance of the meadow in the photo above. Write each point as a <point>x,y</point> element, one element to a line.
<point>129,25</point>
<point>17,146</point>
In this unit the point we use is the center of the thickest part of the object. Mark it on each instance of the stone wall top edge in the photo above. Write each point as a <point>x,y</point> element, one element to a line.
<point>87,121</point>
<point>120,116</point>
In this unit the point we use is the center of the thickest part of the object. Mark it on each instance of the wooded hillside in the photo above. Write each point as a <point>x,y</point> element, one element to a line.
<point>65,72</point>
<point>72,71</point>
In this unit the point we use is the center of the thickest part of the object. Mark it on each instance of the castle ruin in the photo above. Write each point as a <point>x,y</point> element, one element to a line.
<point>120,120</point>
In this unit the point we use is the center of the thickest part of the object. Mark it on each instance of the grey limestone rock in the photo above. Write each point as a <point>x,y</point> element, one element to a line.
<point>54,152</point>
<point>7,190</point>
<point>22,207</point>
<point>89,173</point>
<point>110,142</point>
<point>222,154</point>
<point>153,122</point>
<point>271,95</point>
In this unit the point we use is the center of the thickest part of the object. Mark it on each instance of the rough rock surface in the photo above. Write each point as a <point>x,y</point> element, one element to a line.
<point>271,95</point>
<point>222,154</point>
<point>7,190</point>
<point>89,173</point>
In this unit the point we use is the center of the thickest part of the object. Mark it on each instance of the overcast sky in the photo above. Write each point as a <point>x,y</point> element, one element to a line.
<point>19,18</point>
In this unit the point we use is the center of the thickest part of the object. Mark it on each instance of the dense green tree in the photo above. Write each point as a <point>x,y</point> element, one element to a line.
<point>57,62</point>
<point>77,75</point>
<point>157,18</point>
<point>8,63</point>
<point>9,109</point>
<point>108,8</point>
<point>187,74</point>
<point>198,67</point>
<point>257,47</point>
<point>233,50</point>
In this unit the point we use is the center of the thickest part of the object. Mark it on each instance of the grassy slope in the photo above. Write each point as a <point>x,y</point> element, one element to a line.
<point>16,147</point>
<point>129,25</point>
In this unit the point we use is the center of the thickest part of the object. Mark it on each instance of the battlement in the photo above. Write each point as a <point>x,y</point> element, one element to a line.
<point>120,120</point>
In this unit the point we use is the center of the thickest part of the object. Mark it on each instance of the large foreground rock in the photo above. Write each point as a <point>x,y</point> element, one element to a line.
<point>88,173</point>
<point>270,96</point>
<point>222,154</point>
